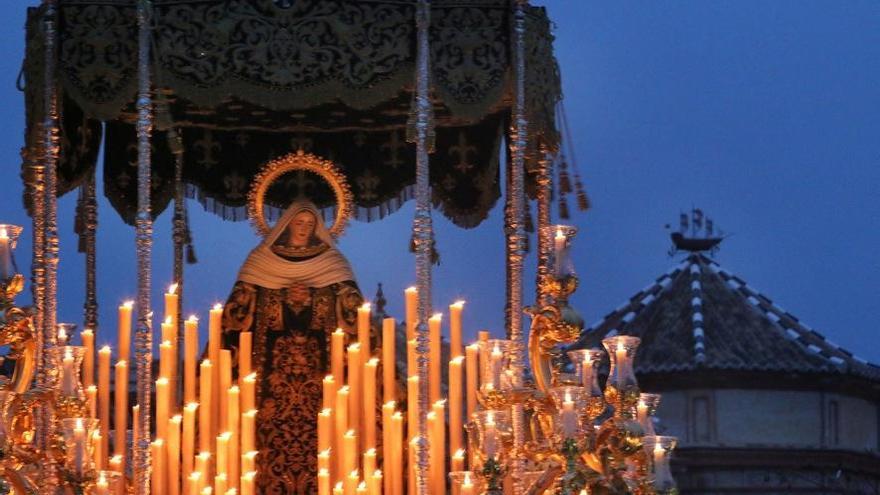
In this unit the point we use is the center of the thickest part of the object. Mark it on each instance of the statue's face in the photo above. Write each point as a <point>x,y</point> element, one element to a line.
<point>301,228</point>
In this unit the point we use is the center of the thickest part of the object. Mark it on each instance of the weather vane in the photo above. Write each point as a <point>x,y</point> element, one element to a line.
<point>696,233</point>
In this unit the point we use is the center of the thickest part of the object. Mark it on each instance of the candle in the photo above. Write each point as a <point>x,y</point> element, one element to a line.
<point>362,488</point>
<point>115,463</point>
<point>587,373</point>
<point>249,461</point>
<point>496,364</point>
<point>124,331</point>
<point>337,358</point>
<point>328,392</point>
<point>397,450</point>
<point>438,446</point>
<point>79,445</point>
<point>135,421</point>
<point>349,451</point>
<point>88,342</point>
<point>455,310</point>
<point>104,397</point>
<point>190,358</point>
<point>350,483</point>
<point>220,483</point>
<point>157,448</point>
<point>369,404</point>
<point>355,392</point>
<point>173,453</point>
<point>121,408</point>
<point>166,357</point>
<point>341,412</point>
<point>363,329</point>
<point>411,356</point>
<point>568,416</point>
<point>388,444</point>
<point>323,482</point>
<point>102,487</point>
<point>472,374</point>
<point>490,445</point>
<point>222,463</point>
<point>171,305</point>
<point>434,361</point>
<point>658,454</point>
<point>620,362</point>
<point>467,485</point>
<point>245,351</point>
<point>68,376</point>
<point>92,401</point>
<point>389,360</point>
<point>338,489</point>
<point>233,401</point>
<point>411,298</point>
<point>169,334</point>
<point>455,403</point>
<point>457,464</point>
<point>203,466</point>
<point>188,439</point>
<point>247,483</point>
<point>369,463</point>
<point>206,434</point>
<point>249,392</point>
<point>412,403</point>
<point>225,377</point>
<point>375,485</point>
<point>97,455</point>
<point>325,429</point>
<point>324,460</point>
<point>163,407</point>
<point>195,482</point>
<point>248,431</point>
<point>215,318</point>
<point>559,252</point>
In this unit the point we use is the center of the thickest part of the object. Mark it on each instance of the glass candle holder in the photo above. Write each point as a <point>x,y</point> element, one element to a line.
<point>659,451</point>
<point>562,237</point>
<point>68,361</point>
<point>8,239</point>
<point>78,448</point>
<point>466,482</point>
<point>645,411</point>
<point>491,433</point>
<point>570,402</point>
<point>495,357</point>
<point>622,389</point>
<point>586,363</point>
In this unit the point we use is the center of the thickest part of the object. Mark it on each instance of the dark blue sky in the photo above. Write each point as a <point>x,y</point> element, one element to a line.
<point>764,114</point>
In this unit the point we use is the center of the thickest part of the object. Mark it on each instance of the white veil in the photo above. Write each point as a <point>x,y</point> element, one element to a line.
<point>266,269</point>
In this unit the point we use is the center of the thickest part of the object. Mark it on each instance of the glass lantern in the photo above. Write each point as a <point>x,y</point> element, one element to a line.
<point>495,357</point>
<point>622,389</point>
<point>78,444</point>
<point>659,451</point>
<point>586,364</point>
<point>490,434</point>
<point>68,361</point>
<point>570,402</point>
<point>562,236</point>
<point>645,411</point>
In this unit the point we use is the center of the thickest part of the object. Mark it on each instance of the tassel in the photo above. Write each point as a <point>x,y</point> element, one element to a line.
<point>191,255</point>
<point>583,201</point>
<point>563,208</point>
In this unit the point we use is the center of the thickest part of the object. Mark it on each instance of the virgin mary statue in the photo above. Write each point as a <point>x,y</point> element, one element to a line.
<point>292,292</point>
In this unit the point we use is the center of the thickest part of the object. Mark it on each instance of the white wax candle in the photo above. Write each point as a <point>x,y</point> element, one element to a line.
<point>6,269</point>
<point>455,310</point>
<point>496,360</point>
<point>124,331</point>
<point>411,298</point>
<point>435,363</point>
<point>369,404</point>
<point>473,377</point>
<point>121,408</point>
<point>559,252</point>
<point>490,442</point>
<point>363,329</point>
<point>68,375</point>
<point>88,371</point>
<point>389,360</point>
<point>568,416</point>
<point>104,398</point>
<point>190,358</point>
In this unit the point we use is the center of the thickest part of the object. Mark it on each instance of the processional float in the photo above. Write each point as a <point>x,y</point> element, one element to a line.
<point>191,99</point>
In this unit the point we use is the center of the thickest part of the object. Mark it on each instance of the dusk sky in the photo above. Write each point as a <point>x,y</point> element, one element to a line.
<point>763,114</point>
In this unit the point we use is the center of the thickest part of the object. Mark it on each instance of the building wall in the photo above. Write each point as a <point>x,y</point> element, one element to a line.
<point>743,418</point>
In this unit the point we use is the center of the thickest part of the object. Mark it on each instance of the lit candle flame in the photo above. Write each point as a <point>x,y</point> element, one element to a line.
<point>193,319</point>
<point>3,233</point>
<point>128,304</point>
<point>172,288</point>
<point>218,307</point>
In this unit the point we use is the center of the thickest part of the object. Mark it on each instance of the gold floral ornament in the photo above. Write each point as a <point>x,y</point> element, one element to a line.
<point>302,162</point>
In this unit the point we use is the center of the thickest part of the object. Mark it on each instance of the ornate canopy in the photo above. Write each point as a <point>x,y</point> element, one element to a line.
<point>240,82</point>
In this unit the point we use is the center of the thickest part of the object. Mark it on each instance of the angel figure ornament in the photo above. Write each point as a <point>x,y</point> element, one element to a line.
<point>293,290</point>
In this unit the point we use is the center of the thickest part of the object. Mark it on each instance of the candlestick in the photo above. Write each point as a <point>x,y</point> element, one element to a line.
<point>472,375</point>
<point>369,404</point>
<point>206,434</point>
<point>121,408</point>
<point>455,403</point>
<point>190,358</point>
<point>245,351</point>
<point>435,365</point>
<point>389,360</point>
<point>124,331</point>
<point>173,453</point>
<point>363,329</point>
<point>455,348</point>
<point>337,357</point>
<point>88,342</point>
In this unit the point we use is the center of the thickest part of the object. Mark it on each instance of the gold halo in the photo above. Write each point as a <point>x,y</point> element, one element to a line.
<point>307,162</point>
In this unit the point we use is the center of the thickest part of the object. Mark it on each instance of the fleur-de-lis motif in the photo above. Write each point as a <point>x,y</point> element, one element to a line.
<point>367,183</point>
<point>462,149</point>
<point>208,146</point>
<point>235,185</point>
<point>394,145</point>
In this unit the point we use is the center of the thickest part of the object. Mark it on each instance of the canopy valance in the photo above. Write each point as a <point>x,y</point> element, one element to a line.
<point>244,81</point>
